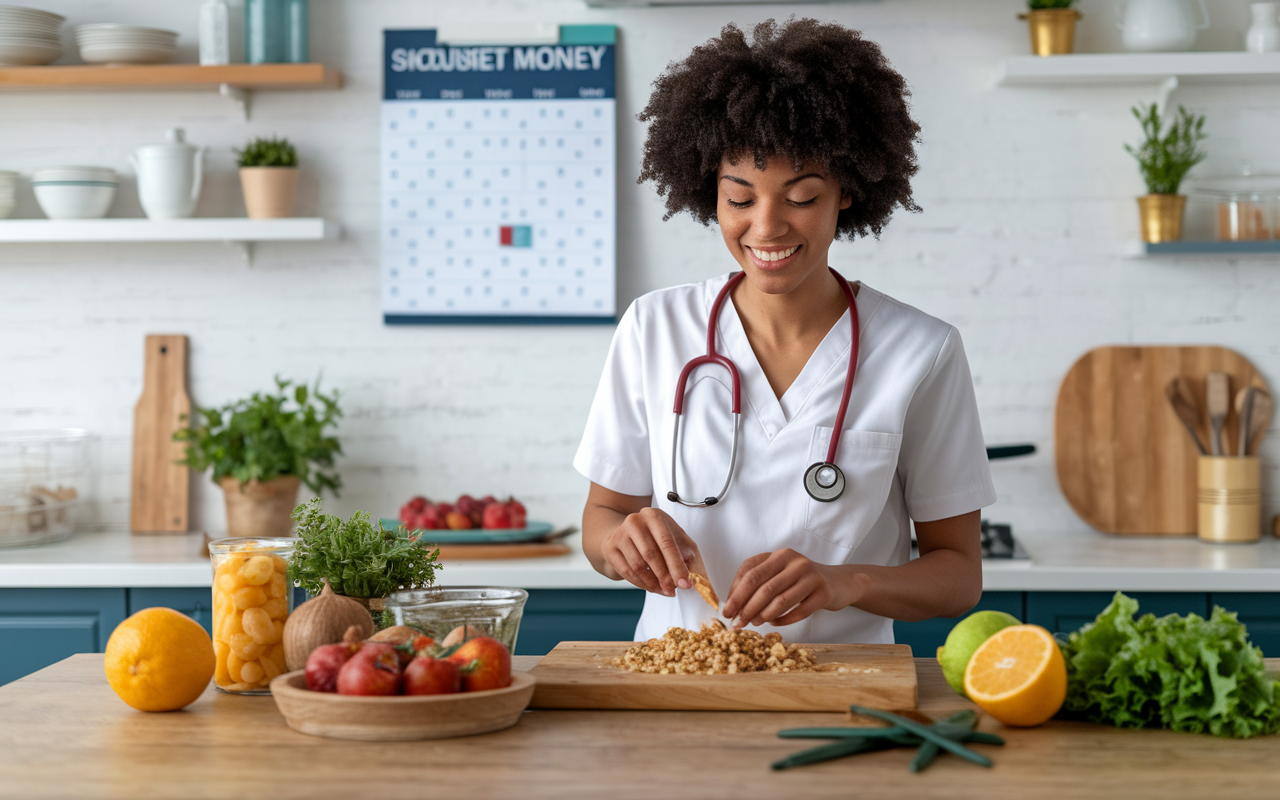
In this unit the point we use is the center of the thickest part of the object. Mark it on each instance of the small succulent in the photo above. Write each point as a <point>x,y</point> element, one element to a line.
<point>1040,5</point>
<point>271,152</point>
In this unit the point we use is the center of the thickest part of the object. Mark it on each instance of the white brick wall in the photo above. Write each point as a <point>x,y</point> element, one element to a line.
<point>1028,208</point>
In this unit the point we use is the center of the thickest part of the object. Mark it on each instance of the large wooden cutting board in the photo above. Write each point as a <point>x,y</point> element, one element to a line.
<point>581,675</point>
<point>1125,462</point>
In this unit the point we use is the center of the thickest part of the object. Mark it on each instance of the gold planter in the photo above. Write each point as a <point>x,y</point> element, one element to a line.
<point>1053,30</point>
<point>260,510</point>
<point>1161,216</point>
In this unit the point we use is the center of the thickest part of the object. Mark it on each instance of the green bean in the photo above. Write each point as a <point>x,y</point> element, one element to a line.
<point>839,733</point>
<point>924,732</point>
<point>983,738</point>
<point>826,752</point>
<point>924,755</point>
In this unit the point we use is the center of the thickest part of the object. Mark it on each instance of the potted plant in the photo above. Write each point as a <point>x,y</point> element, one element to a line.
<point>261,451</point>
<point>358,559</point>
<point>269,177</point>
<point>1053,26</point>
<point>1164,161</point>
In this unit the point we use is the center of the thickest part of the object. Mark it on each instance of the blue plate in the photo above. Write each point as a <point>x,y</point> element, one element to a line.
<point>533,531</point>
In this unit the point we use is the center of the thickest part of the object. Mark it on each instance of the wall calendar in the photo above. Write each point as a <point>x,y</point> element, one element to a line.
<point>498,178</point>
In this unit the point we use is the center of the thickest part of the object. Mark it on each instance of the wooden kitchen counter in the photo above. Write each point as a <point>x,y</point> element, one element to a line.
<point>64,734</point>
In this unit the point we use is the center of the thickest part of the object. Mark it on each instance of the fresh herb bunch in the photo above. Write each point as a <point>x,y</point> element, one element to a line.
<point>258,439</point>
<point>271,152</point>
<point>1040,5</point>
<point>1166,160</point>
<point>357,558</point>
<point>1183,673</point>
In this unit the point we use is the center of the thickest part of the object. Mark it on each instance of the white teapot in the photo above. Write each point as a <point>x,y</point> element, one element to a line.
<point>1161,25</point>
<point>169,176</point>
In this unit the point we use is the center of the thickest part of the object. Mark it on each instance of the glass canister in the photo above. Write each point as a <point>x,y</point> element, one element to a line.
<point>251,601</point>
<point>451,614</point>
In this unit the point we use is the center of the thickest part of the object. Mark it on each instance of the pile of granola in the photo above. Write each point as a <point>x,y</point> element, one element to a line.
<point>715,650</point>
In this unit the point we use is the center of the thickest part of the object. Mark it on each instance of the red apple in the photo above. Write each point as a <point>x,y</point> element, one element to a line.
<point>485,663</point>
<point>518,515</point>
<point>373,670</point>
<point>407,516</point>
<point>427,675</point>
<point>487,499</point>
<point>458,521</point>
<point>497,515</point>
<point>417,503</point>
<point>324,664</point>
<point>470,506</point>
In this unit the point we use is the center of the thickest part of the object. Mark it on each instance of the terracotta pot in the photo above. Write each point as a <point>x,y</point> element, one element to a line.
<point>375,605</point>
<point>1161,216</point>
<point>269,192</point>
<point>260,509</point>
<point>1053,30</point>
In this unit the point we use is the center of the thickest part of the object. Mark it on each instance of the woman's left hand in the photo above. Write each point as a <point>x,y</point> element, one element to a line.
<point>780,588</point>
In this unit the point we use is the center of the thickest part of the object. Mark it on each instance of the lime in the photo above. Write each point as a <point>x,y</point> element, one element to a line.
<point>966,637</point>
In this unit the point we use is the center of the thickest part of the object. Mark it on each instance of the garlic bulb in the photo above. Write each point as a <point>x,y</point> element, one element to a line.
<point>322,620</point>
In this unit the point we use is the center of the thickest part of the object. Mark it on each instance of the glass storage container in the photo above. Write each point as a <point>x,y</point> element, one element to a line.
<point>43,483</point>
<point>451,614</point>
<point>251,601</point>
<point>1245,206</point>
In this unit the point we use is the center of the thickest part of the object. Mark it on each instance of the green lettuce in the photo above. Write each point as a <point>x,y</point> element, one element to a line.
<point>1183,673</point>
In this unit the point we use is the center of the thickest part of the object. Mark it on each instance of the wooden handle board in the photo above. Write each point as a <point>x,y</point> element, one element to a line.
<point>1125,462</point>
<point>581,675</point>
<point>158,502</point>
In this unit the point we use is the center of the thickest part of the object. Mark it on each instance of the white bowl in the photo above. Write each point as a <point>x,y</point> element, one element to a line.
<point>127,54</point>
<point>28,52</point>
<point>74,192</point>
<point>33,16</point>
<point>130,32</point>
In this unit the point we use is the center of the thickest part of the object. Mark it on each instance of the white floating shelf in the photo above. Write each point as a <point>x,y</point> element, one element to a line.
<point>234,230</point>
<point>1086,69</point>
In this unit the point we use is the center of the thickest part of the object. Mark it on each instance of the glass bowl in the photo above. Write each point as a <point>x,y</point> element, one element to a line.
<point>462,611</point>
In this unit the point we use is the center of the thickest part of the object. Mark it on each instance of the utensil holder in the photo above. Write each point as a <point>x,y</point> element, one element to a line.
<point>1230,498</point>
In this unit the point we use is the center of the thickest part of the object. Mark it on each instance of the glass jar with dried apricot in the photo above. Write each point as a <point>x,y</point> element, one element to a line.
<point>251,601</point>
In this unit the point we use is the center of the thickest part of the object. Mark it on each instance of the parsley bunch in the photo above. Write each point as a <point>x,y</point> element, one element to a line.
<point>358,559</point>
<point>259,438</point>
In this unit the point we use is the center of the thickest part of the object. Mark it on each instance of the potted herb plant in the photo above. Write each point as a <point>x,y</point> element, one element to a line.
<point>359,559</point>
<point>1053,26</point>
<point>261,450</point>
<point>1164,161</point>
<point>269,177</point>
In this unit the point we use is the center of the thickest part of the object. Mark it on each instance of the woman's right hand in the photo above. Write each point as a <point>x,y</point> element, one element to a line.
<point>651,551</point>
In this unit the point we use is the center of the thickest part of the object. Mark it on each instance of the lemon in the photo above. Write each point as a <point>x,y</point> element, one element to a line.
<point>966,637</point>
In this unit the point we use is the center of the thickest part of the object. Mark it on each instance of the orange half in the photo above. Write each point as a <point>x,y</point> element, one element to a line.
<point>1018,676</point>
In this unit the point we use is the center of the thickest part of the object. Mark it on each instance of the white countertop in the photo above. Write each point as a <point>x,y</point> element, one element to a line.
<point>1073,561</point>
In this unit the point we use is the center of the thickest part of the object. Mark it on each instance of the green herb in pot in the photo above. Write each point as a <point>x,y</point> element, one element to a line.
<point>358,558</point>
<point>1183,673</point>
<point>271,152</point>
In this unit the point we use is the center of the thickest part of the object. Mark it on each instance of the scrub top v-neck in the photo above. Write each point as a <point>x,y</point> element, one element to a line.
<point>911,448</point>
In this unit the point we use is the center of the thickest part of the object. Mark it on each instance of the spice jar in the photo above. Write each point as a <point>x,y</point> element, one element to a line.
<point>251,601</point>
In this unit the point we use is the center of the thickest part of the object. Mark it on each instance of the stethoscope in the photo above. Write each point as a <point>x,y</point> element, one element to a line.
<point>824,481</point>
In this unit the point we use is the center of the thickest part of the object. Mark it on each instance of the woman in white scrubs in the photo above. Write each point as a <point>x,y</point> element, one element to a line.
<point>786,142</point>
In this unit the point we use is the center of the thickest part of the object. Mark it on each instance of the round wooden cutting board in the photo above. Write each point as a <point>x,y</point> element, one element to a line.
<point>1125,462</point>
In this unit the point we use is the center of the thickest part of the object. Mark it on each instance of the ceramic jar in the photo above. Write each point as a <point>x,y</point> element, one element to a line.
<point>1161,25</point>
<point>169,176</point>
<point>1264,33</point>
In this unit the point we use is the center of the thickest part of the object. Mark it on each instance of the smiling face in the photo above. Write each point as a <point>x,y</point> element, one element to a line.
<point>778,222</point>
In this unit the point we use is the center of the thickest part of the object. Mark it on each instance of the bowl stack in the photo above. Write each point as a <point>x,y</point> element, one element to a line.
<point>28,37</point>
<point>109,43</point>
<point>8,192</point>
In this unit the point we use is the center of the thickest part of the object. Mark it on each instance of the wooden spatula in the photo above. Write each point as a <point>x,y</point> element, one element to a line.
<point>1184,406</point>
<point>1259,419</point>
<point>1217,396</point>
<point>1244,411</point>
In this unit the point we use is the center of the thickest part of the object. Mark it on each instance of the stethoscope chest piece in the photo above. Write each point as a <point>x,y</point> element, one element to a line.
<point>824,481</point>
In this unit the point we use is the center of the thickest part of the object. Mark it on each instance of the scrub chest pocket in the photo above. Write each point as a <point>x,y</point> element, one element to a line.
<point>868,460</point>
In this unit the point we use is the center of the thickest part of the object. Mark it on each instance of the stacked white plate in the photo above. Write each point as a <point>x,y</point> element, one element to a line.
<point>28,37</point>
<point>109,43</point>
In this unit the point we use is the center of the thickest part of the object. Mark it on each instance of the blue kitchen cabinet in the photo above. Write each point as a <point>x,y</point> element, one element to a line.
<point>1063,612</point>
<point>195,602</point>
<point>41,626</point>
<point>552,616</point>
<point>1259,611</point>
<point>927,636</point>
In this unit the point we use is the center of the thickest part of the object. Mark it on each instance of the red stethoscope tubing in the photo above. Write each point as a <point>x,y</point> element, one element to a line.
<point>713,357</point>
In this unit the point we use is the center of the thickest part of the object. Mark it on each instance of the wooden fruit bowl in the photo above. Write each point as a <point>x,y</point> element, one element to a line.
<point>402,718</point>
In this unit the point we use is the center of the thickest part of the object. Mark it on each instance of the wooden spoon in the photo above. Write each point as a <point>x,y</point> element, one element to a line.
<point>1259,419</point>
<point>1217,396</point>
<point>1184,406</point>
<point>1244,413</point>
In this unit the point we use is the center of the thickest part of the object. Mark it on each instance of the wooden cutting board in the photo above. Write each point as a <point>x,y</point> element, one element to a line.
<point>581,675</point>
<point>158,502</point>
<point>1125,462</point>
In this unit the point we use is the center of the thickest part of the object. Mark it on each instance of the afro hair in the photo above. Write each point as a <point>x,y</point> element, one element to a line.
<point>805,90</point>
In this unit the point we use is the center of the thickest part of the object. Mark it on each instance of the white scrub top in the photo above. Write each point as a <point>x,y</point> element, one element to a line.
<point>912,447</point>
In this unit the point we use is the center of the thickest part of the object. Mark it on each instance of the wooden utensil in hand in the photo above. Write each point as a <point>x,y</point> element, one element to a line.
<point>1259,419</point>
<point>1184,406</point>
<point>1217,396</point>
